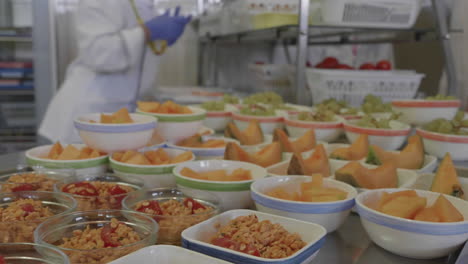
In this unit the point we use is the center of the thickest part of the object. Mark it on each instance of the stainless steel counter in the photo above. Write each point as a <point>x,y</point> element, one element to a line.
<point>348,245</point>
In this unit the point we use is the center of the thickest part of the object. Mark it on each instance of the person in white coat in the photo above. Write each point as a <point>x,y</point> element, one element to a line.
<point>119,43</point>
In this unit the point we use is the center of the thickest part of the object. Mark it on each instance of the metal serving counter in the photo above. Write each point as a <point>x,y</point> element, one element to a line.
<point>348,245</point>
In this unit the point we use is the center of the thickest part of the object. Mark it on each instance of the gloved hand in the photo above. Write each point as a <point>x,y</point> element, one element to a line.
<point>166,27</point>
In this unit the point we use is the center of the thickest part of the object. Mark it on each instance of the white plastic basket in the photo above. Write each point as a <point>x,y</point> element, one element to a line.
<point>353,86</point>
<point>370,13</point>
<point>272,77</point>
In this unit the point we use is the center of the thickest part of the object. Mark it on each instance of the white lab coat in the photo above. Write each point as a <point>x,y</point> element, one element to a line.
<point>105,75</point>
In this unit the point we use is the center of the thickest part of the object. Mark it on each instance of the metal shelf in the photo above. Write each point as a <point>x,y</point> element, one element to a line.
<point>16,92</point>
<point>328,35</point>
<point>24,39</point>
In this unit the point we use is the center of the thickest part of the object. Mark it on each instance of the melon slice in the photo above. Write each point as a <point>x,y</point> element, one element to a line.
<point>94,154</point>
<point>138,159</point>
<point>446,179</point>
<point>445,210</point>
<point>235,152</point>
<point>128,155</point>
<point>359,176</point>
<point>427,214</point>
<point>182,157</point>
<point>122,116</point>
<point>386,197</point>
<point>404,206</point>
<point>316,163</point>
<point>269,155</point>
<point>252,135</point>
<point>279,135</point>
<point>358,150</point>
<point>106,119</point>
<point>305,143</point>
<point>55,151</point>
<point>411,157</point>
<point>70,152</point>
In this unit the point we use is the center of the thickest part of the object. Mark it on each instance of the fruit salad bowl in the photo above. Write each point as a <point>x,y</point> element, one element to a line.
<point>324,131</point>
<point>412,238</point>
<point>330,215</point>
<point>437,144</point>
<point>418,112</point>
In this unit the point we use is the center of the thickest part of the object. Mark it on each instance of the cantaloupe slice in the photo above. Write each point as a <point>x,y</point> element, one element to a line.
<point>358,150</point>
<point>427,214</point>
<point>281,193</point>
<point>316,182</point>
<point>128,155</point>
<point>446,179</point>
<point>117,156</point>
<point>187,172</point>
<point>386,197</point>
<point>411,157</point>
<point>138,159</point>
<point>269,155</point>
<point>316,163</point>
<point>304,143</point>
<point>148,106</point>
<point>182,157</point>
<point>235,152</point>
<point>359,176</point>
<point>445,210</point>
<point>404,206</point>
<point>323,194</point>
<point>94,154</point>
<point>70,152</point>
<point>55,151</point>
<point>106,119</point>
<point>121,116</point>
<point>213,175</point>
<point>279,135</point>
<point>252,135</point>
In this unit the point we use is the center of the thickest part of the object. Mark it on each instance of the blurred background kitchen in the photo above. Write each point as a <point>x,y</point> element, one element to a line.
<point>37,42</point>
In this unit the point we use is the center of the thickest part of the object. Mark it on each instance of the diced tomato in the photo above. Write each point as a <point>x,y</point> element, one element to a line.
<point>384,65</point>
<point>344,67</point>
<point>225,243</point>
<point>27,208</point>
<point>85,189</point>
<point>189,202</point>
<point>153,205</point>
<point>367,66</point>
<point>24,187</point>
<point>2,260</point>
<point>118,192</point>
<point>106,236</point>
<point>231,244</point>
<point>329,63</point>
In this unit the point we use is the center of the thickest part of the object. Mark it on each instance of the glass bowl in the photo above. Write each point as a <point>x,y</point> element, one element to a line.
<point>38,179</point>
<point>171,226</point>
<point>30,253</point>
<point>102,197</point>
<point>19,225</point>
<point>58,232</point>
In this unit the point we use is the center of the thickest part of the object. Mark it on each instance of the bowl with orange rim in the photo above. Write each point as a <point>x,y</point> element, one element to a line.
<point>438,144</point>
<point>326,131</point>
<point>218,120</point>
<point>386,138</point>
<point>418,112</point>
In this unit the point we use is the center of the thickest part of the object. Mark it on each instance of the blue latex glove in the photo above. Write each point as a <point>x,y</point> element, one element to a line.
<point>167,27</point>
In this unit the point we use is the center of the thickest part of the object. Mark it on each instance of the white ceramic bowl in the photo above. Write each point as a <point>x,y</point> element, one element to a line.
<point>153,176</point>
<point>232,195</point>
<point>388,139</point>
<point>166,254</point>
<point>206,153</point>
<point>324,131</point>
<point>197,238</point>
<point>110,138</point>
<point>419,112</point>
<point>439,144</point>
<point>267,123</point>
<point>410,238</point>
<point>174,127</point>
<point>218,120</point>
<point>35,157</point>
<point>330,215</point>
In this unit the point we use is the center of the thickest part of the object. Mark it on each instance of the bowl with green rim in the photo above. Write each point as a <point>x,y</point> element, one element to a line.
<point>232,194</point>
<point>38,157</point>
<point>175,127</point>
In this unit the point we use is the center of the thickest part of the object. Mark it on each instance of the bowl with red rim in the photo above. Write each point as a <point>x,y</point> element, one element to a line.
<point>418,112</point>
<point>386,138</point>
<point>173,209</point>
<point>218,120</point>
<point>324,131</point>
<point>438,144</point>
<point>268,124</point>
